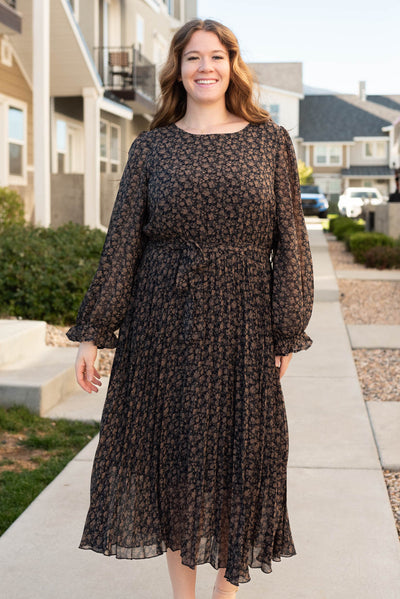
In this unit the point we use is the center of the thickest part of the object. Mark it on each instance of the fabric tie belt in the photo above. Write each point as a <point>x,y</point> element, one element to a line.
<point>196,258</point>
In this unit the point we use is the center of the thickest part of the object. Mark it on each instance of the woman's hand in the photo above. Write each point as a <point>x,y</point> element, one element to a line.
<point>86,374</point>
<point>282,362</point>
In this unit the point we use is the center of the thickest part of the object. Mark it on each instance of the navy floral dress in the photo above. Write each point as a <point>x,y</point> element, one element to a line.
<point>206,275</point>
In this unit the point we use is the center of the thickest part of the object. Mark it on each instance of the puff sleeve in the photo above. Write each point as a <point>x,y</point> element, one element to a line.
<point>292,271</point>
<point>105,304</point>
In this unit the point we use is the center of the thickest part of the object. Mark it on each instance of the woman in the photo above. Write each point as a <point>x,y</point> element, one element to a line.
<point>206,271</point>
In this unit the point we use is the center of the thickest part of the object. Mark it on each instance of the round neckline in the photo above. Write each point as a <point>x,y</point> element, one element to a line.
<point>208,134</point>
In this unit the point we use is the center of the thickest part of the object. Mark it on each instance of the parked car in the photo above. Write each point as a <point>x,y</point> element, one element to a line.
<point>314,202</point>
<point>353,200</point>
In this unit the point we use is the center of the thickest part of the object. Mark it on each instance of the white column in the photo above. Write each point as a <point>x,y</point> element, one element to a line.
<point>91,117</point>
<point>41,110</point>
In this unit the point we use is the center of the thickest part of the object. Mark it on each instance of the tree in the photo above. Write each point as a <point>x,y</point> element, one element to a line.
<point>305,173</point>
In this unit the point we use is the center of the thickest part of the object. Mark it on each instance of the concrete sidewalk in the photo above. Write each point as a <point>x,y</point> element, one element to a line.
<point>340,515</point>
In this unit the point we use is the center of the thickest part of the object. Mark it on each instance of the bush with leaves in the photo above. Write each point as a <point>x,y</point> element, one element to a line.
<point>360,243</point>
<point>45,272</point>
<point>383,257</point>
<point>343,227</point>
<point>11,208</point>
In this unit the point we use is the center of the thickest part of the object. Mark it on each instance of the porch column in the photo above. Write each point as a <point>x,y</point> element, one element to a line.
<point>41,110</point>
<point>91,117</point>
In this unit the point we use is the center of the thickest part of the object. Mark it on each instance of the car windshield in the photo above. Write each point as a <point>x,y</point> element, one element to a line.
<point>309,189</point>
<point>363,194</point>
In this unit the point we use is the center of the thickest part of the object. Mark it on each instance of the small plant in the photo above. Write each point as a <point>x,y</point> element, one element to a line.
<point>360,243</point>
<point>11,208</point>
<point>343,227</point>
<point>383,257</point>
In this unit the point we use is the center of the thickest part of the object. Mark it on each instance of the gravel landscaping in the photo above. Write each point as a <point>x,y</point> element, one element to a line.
<point>372,302</point>
<point>379,373</point>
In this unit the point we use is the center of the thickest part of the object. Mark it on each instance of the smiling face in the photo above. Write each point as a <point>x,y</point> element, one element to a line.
<point>205,68</point>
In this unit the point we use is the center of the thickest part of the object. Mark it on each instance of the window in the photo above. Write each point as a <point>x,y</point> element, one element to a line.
<point>110,143</point>
<point>61,135</point>
<point>327,154</point>
<point>103,147</point>
<point>114,149</point>
<point>335,154</point>
<point>16,141</point>
<point>375,149</point>
<point>274,112</point>
<point>320,154</point>
<point>67,155</point>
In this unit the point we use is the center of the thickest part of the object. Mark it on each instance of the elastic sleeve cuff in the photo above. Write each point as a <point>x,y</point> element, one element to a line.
<point>88,333</point>
<point>287,345</point>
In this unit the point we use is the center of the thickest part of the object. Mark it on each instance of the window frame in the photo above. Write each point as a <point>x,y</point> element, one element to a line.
<point>71,163</point>
<point>108,160</point>
<point>374,147</point>
<point>115,161</point>
<point>328,154</point>
<point>8,102</point>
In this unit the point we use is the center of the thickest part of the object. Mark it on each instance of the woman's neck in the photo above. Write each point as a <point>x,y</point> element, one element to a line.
<point>204,117</point>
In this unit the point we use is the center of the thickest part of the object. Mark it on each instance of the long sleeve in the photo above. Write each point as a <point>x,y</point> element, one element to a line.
<point>105,304</point>
<point>292,274</point>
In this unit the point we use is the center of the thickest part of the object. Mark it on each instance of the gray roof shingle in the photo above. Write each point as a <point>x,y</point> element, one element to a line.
<point>282,75</point>
<point>361,171</point>
<point>342,117</point>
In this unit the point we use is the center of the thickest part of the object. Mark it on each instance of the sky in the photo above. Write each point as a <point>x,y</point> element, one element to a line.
<point>339,43</point>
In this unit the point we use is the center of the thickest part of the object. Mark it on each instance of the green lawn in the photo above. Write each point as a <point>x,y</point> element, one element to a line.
<point>33,450</point>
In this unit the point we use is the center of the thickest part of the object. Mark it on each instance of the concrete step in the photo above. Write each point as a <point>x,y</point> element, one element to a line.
<point>20,340</point>
<point>369,274</point>
<point>87,407</point>
<point>374,336</point>
<point>41,382</point>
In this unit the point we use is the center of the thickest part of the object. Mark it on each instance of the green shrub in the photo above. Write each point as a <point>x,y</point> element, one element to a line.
<point>331,221</point>
<point>45,272</point>
<point>360,243</point>
<point>343,227</point>
<point>11,208</point>
<point>383,257</point>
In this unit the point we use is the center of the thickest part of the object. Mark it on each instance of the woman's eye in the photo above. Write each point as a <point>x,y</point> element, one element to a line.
<point>221,57</point>
<point>192,58</point>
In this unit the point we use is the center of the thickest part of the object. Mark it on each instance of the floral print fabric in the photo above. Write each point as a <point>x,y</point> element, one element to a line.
<point>206,272</point>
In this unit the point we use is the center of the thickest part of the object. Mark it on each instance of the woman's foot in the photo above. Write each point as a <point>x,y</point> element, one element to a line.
<point>223,589</point>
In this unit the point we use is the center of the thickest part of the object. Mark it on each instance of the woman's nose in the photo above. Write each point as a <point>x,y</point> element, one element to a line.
<point>205,65</point>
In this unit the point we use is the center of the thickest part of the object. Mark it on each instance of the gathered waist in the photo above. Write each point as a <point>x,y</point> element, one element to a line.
<point>209,247</point>
<point>195,259</point>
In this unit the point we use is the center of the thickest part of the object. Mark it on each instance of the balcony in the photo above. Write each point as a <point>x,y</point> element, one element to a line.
<point>128,74</point>
<point>10,18</point>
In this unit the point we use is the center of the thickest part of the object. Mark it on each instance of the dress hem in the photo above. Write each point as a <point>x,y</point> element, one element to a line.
<point>264,566</point>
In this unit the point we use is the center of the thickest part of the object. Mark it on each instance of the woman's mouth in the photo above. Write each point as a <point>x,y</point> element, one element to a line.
<point>205,82</point>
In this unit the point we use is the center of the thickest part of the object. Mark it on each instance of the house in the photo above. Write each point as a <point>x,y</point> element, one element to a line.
<point>280,91</point>
<point>350,140</point>
<point>78,82</point>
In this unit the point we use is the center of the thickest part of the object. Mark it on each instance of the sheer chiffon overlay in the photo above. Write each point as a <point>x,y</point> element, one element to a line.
<point>206,274</point>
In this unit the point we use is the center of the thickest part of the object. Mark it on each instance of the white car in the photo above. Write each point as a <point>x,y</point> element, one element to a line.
<point>352,201</point>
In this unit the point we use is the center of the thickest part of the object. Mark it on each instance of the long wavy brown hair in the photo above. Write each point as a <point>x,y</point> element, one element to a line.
<point>239,96</point>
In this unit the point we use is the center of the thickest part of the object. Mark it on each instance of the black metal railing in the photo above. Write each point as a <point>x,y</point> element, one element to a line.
<point>11,3</point>
<point>123,68</point>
